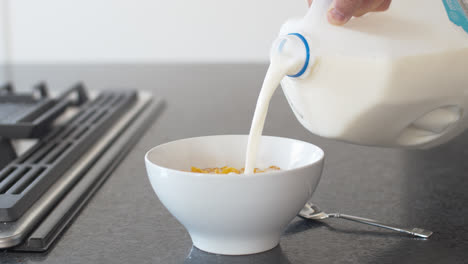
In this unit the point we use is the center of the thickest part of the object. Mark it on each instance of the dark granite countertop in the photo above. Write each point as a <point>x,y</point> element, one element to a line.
<point>125,223</point>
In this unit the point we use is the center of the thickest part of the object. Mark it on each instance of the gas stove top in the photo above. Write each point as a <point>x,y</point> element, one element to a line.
<point>44,184</point>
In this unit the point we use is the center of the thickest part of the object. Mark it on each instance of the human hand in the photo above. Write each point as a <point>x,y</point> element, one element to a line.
<point>341,11</point>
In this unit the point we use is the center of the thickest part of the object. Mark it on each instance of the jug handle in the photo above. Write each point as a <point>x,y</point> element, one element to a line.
<point>317,13</point>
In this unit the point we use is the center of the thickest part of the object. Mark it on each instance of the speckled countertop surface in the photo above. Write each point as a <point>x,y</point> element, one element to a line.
<point>125,223</point>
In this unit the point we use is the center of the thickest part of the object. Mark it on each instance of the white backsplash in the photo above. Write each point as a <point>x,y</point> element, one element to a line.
<point>145,31</point>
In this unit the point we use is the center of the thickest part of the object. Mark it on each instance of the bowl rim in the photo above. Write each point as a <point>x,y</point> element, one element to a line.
<point>237,176</point>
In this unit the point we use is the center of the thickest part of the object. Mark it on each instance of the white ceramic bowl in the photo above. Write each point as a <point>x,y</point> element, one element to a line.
<point>234,214</point>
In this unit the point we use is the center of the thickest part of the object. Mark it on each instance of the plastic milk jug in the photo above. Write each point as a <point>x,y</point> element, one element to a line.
<point>395,79</point>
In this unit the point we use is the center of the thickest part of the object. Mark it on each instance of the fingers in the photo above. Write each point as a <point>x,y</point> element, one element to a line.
<point>342,11</point>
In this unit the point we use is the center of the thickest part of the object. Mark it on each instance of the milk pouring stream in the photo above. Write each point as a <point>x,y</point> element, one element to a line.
<point>393,79</point>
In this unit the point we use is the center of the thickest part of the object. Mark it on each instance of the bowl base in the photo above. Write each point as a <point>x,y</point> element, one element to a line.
<point>238,246</point>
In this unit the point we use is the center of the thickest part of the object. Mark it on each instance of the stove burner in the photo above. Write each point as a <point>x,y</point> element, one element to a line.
<point>28,115</point>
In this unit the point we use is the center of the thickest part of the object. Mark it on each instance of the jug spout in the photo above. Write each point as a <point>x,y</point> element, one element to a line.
<point>292,51</point>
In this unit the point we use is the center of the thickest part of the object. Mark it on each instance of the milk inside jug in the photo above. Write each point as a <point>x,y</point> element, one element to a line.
<point>394,79</point>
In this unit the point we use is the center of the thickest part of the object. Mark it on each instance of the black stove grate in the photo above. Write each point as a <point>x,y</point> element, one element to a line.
<point>23,180</point>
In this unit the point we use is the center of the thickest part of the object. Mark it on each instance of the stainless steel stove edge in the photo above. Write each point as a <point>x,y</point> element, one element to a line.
<point>13,233</point>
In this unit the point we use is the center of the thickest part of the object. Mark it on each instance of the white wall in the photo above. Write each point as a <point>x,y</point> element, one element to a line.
<point>5,73</point>
<point>2,31</point>
<point>146,30</point>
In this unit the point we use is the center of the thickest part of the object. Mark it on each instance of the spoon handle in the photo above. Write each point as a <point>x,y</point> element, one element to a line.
<point>419,232</point>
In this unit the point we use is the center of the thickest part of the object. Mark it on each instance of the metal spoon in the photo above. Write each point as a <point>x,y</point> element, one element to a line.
<point>311,211</point>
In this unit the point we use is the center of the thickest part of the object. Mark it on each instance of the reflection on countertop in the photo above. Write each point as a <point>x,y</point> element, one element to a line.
<point>274,256</point>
